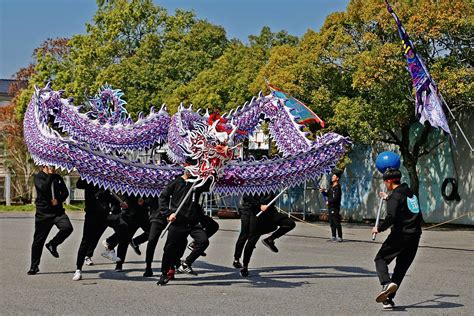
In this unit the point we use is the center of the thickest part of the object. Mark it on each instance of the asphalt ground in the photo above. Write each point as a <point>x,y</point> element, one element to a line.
<point>309,276</point>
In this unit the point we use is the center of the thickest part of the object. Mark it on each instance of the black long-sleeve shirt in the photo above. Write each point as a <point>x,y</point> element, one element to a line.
<point>171,197</point>
<point>334,198</point>
<point>399,216</point>
<point>252,203</point>
<point>44,184</point>
<point>153,206</point>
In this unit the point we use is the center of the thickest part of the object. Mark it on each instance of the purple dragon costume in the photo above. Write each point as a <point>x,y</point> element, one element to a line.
<point>97,144</point>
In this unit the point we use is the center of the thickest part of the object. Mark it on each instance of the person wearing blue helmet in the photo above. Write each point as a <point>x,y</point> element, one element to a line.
<point>404,218</point>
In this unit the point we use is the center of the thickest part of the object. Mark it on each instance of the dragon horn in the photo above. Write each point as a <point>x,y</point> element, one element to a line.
<point>231,136</point>
<point>214,125</point>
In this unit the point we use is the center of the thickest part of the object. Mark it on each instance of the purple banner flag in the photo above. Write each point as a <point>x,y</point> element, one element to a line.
<point>428,104</point>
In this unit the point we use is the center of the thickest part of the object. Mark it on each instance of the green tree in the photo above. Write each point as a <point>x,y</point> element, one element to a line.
<point>234,78</point>
<point>137,47</point>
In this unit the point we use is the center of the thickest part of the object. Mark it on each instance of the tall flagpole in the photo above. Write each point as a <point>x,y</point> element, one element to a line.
<point>377,219</point>
<point>457,123</point>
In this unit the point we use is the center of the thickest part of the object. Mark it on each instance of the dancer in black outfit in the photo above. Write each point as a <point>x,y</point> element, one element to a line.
<point>51,193</point>
<point>333,202</point>
<point>185,223</point>
<point>252,227</point>
<point>100,208</point>
<point>136,216</point>
<point>404,216</point>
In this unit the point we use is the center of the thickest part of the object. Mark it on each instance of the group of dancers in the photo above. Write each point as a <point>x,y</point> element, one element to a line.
<point>126,214</point>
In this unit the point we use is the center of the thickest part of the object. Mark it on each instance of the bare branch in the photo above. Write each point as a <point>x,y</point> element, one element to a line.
<point>421,140</point>
<point>427,151</point>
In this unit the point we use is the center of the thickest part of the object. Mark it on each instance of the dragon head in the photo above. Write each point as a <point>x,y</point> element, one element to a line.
<point>48,102</point>
<point>208,150</point>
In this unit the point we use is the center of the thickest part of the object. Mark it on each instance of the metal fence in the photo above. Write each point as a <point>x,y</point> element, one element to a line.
<point>16,189</point>
<point>303,200</point>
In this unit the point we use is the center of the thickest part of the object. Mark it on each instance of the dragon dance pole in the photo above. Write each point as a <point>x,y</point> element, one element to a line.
<point>179,208</point>
<point>116,197</point>
<point>377,219</point>
<point>273,201</point>
<point>52,190</point>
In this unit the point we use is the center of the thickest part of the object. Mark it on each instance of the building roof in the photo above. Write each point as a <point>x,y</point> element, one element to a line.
<point>5,85</point>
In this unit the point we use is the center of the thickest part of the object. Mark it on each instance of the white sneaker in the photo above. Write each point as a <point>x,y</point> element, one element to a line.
<point>88,261</point>
<point>105,244</point>
<point>110,254</point>
<point>77,275</point>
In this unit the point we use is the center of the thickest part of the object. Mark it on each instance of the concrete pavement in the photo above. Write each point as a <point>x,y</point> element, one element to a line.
<point>309,276</point>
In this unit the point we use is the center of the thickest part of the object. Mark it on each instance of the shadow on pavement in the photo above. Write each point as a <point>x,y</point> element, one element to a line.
<point>269,277</point>
<point>432,303</point>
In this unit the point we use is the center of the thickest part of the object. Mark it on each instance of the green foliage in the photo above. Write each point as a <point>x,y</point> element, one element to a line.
<point>234,77</point>
<point>135,46</point>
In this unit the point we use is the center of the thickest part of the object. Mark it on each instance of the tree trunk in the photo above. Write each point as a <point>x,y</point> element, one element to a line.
<point>410,164</point>
<point>409,160</point>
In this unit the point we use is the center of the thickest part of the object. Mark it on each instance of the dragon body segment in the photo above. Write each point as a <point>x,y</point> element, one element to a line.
<point>96,144</point>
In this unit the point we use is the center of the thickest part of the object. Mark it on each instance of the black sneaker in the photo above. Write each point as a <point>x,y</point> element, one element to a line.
<point>148,272</point>
<point>191,247</point>
<point>118,267</point>
<point>270,244</point>
<point>387,289</point>
<point>237,264</point>
<point>185,268</point>
<point>33,271</point>
<point>163,280</point>
<point>244,272</point>
<point>388,304</point>
<point>52,249</point>
<point>135,247</point>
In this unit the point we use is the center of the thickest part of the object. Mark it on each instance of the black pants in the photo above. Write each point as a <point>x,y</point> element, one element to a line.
<point>134,222</point>
<point>156,228</point>
<point>275,222</point>
<point>43,226</point>
<point>177,239</point>
<point>248,228</point>
<point>267,224</point>
<point>210,227</point>
<point>401,247</point>
<point>335,222</point>
<point>95,224</point>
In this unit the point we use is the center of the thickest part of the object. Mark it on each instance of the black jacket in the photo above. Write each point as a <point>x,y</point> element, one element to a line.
<point>153,206</point>
<point>96,199</point>
<point>171,197</point>
<point>44,184</point>
<point>251,203</point>
<point>398,214</point>
<point>334,198</point>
